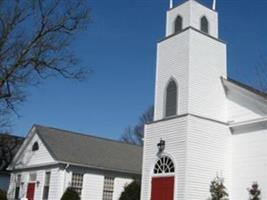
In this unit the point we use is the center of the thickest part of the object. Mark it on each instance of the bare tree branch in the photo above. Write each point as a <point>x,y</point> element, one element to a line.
<point>35,39</point>
<point>135,135</point>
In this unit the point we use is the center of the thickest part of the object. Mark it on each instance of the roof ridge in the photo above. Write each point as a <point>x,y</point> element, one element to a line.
<point>86,135</point>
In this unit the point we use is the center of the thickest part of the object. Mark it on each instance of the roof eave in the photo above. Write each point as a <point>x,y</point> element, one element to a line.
<point>101,168</point>
<point>227,83</point>
<point>249,125</point>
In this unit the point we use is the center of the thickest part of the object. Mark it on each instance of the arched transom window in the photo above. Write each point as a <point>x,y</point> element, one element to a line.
<point>204,24</point>
<point>178,24</point>
<point>164,165</point>
<point>171,99</point>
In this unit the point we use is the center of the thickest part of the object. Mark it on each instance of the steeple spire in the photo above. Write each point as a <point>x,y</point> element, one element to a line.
<point>214,5</point>
<point>171,4</point>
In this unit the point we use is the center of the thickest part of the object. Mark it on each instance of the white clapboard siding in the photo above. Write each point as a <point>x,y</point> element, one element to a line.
<point>241,109</point>
<point>23,186</point>
<point>60,180</point>
<point>249,163</point>
<point>191,12</point>
<point>56,184</point>
<point>119,185</point>
<point>197,63</point>
<point>11,187</point>
<point>55,189</point>
<point>29,158</point>
<point>92,187</point>
<point>207,63</point>
<point>38,193</point>
<point>183,11</point>
<point>172,63</point>
<point>208,155</point>
<point>174,133</point>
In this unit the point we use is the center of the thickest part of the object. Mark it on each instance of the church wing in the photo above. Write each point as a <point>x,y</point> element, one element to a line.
<point>247,107</point>
<point>244,102</point>
<point>32,153</point>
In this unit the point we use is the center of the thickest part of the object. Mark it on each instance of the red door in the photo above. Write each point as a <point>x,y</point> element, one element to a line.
<point>30,191</point>
<point>162,188</point>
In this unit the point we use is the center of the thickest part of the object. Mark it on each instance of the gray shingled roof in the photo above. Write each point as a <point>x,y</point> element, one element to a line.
<point>95,152</point>
<point>247,87</point>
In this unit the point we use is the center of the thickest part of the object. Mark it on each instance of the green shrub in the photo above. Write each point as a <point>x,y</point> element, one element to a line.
<point>254,192</point>
<point>70,194</point>
<point>131,191</point>
<point>3,195</point>
<point>218,190</point>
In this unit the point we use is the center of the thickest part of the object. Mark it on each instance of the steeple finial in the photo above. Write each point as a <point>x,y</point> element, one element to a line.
<point>214,5</point>
<point>171,4</point>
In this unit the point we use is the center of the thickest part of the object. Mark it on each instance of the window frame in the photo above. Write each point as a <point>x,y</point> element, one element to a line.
<point>32,177</point>
<point>35,146</point>
<point>17,186</point>
<point>205,28</point>
<point>181,24</point>
<point>46,187</point>
<point>160,170</point>
<point>166,115</point>
<point>77,182</point>
<point>108,188</point>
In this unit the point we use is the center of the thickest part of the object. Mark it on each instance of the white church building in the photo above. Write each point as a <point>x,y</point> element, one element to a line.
<point>205,125</point>
<point>50,160</point>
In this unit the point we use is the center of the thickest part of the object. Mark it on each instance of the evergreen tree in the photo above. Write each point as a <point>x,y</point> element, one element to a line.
<point>218,190</point>
<point>254,192</point>
<point>3,195</point>
<point>131,191</point>
<point>70,194</point>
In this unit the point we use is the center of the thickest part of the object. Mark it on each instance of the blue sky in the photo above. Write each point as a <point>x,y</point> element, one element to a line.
<point>120,46</point>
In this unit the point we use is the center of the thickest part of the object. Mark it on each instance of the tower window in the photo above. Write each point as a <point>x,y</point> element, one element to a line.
<point>171,99</point>
<point>204,24</point>
<point>178,24</point>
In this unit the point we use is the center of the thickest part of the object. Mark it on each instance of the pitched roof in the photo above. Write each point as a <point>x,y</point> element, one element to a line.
<point>85,150</point>
<point>249,88</point>
<point>245,87</point>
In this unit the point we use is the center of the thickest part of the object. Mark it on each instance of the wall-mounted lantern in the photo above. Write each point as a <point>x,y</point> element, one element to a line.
<point>37,183</point>
<point>161,145</point>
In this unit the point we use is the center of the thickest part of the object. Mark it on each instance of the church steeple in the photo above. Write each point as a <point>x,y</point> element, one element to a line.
<point>194,58</point>
<point>214,5</point>
<point>190,106</point>
<point>192,13</point>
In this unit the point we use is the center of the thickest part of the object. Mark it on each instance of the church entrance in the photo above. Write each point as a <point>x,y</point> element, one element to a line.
<point>162,188</point>
<point>163,179</point>
<point>30,191</point>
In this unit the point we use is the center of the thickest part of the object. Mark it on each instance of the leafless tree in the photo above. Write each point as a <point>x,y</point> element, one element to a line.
<point>35,39</point>
<point>8,147</point>
<point>5,121</point>
<point>134,135</point>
